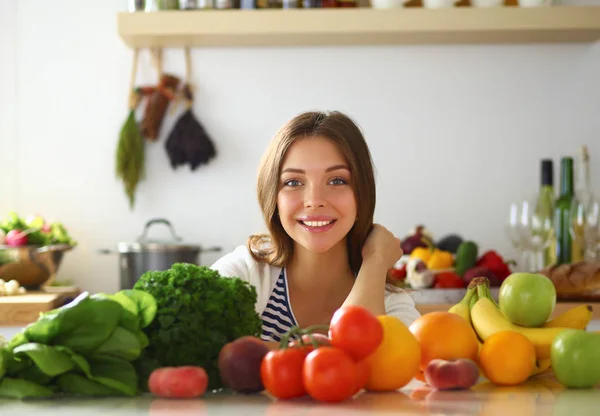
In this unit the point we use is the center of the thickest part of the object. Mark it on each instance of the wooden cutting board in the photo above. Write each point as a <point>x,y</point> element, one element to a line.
<point>24,309</point>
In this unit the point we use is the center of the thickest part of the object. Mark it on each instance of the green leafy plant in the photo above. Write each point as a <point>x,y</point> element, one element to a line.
<point>86,347</point>
<point>198,312</point>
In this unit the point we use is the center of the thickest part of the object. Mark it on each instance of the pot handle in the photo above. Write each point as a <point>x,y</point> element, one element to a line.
<point>144,235</point>
<point>209,249</point>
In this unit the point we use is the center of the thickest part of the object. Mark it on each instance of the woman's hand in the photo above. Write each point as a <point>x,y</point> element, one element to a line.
<point>381,248</point>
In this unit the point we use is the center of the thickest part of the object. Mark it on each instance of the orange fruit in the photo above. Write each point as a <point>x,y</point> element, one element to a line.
<point>507,358</point>
<point>396,360</point>
<point>444,335</point>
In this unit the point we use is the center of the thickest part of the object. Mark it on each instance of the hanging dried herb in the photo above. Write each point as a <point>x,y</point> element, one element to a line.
<point>130,155</point>
<point>158,100</point>
<point>188,142</point>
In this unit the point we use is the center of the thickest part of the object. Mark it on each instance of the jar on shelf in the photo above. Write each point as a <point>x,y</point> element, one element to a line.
<point>224,4</point>
<point>169,4</point>
<point>188,4</point>
<point>137,5</point>
<point>152,6</point>
<point>291,4</point>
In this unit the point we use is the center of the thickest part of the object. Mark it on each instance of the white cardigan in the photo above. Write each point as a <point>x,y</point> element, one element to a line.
<point>239,263</point>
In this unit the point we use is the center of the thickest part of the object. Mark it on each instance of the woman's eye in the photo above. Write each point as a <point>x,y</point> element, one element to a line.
<point>338,181</point>
<point>291,182</point>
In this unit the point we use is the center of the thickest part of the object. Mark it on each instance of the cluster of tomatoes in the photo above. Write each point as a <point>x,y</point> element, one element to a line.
<point>331,370</point>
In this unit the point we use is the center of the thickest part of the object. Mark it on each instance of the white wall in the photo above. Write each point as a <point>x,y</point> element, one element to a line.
<point>456,132</point>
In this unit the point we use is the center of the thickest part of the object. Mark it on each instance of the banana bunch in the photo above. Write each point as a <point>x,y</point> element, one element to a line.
<point>480,309</point>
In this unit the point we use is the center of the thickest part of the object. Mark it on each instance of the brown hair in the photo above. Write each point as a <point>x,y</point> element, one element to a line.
<point>277,247</point>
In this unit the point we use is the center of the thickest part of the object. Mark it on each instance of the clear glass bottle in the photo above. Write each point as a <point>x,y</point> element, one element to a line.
<point>544,210</point>
<point>584,186</point>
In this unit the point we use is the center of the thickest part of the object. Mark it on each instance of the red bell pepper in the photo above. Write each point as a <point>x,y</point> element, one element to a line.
<point>448,280</point>
<point>493,261</point>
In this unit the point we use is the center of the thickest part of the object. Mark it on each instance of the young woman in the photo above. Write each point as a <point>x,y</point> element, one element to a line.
<point>316,190</point>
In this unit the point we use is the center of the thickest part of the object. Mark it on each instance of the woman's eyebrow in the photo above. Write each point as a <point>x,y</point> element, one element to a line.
<point>329,169</point>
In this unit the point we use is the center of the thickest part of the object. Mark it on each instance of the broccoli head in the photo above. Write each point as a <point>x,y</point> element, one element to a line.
<point>198,312</point>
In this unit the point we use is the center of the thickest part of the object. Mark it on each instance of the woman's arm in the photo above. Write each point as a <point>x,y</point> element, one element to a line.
<point>380,252</point>
<point>369,287</point>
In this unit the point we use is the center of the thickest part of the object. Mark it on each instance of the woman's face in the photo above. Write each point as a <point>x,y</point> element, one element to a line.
<point>316,201</point>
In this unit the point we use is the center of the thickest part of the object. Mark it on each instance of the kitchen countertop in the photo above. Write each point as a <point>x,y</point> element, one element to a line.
<point>540,396</point>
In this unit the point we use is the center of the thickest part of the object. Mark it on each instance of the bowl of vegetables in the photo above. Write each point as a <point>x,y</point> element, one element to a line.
<point>32,249</point>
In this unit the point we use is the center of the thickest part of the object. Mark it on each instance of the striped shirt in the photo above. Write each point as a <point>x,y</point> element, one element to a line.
<point>277,317</point>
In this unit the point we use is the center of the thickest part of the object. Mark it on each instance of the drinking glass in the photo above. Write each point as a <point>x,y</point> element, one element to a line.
<point>591,232</point>
<point>537,230</point>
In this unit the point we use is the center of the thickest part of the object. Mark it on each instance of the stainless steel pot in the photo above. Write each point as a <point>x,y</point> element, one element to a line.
<point>145,254</point>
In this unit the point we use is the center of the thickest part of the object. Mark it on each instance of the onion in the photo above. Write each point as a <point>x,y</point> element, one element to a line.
<point>16,238</point>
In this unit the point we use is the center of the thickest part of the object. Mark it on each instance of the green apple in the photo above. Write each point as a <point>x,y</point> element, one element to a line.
<point>527,299</point>
<point>575,356</point>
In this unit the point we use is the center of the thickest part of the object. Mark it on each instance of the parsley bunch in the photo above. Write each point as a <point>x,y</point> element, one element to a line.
<point>198,312</point>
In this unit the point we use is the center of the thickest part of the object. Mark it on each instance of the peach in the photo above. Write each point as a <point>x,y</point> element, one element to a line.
<point>441,374</point>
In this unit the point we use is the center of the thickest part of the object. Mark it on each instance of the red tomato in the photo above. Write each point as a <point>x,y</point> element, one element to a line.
<point>281,372</point>
<point>330,375</point>
<point>178,382</point>
<point>448,280</point>
<point>355,330</point>
<point>363,371</point>
<point>398,273</point>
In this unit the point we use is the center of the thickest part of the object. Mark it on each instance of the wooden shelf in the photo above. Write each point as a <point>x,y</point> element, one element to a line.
<point>361,26</point>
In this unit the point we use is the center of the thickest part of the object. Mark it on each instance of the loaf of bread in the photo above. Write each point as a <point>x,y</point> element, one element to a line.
<point>575,281</point>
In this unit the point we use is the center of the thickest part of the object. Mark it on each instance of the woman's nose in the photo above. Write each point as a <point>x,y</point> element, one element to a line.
<point>314,197</point>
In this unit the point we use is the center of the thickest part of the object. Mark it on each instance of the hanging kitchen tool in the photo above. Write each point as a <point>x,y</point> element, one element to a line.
<point>146,254</point>
<point>158,99</point>
<point>189,142</point>
<point>130,153</point>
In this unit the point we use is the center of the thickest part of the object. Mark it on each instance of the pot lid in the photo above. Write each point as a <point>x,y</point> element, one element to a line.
<point>144,243</point>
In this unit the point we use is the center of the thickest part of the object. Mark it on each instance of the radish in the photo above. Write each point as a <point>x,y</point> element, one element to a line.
<point>16,238</point>
<point>178,382</point>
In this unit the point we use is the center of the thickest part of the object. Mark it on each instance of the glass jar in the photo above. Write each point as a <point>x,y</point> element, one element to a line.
<point>137,5</point>
<point>188,4</point>
<point>169,4</point>
<point>152,6</point>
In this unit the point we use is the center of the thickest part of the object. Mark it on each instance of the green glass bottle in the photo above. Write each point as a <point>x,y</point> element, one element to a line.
<point>562,212</point>
<point>544,208</point>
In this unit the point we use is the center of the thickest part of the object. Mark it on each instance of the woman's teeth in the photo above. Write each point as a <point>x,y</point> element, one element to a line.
<point>316,223</point>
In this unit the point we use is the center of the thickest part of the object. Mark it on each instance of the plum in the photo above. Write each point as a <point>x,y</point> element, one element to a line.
<point>239,364</point>
<point>448,375</point>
